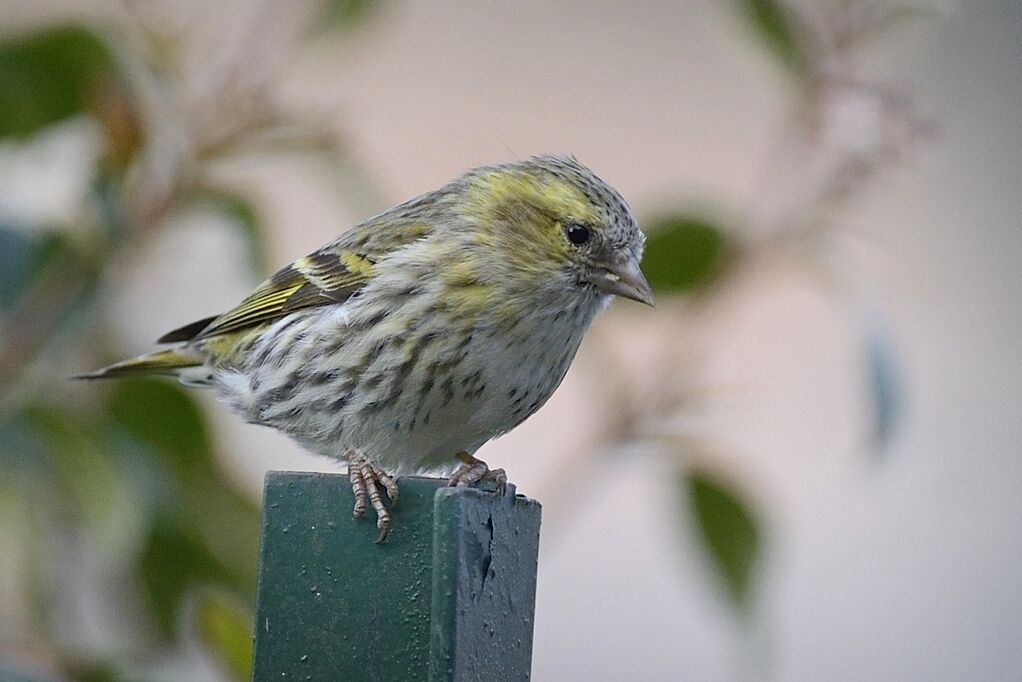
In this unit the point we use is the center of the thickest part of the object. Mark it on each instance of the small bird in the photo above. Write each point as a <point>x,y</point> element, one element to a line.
<point>418,335</point>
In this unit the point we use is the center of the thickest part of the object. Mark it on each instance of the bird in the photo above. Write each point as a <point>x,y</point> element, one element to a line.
<point>413,338</point>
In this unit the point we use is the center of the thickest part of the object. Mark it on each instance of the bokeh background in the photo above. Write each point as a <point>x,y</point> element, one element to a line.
<point>803,465</point>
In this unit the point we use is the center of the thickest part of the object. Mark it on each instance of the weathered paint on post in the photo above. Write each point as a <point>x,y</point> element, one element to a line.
<point>484,585</point>
<point>449,596</point>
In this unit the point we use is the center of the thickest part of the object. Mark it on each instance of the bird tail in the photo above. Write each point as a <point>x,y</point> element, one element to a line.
<point>172,362</point>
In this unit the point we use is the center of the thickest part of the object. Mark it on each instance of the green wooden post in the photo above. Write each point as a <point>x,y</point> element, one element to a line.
<point>449,596</point>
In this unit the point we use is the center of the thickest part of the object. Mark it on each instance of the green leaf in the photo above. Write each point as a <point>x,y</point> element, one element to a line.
<point>85,669</point>
<point>60,455</point>
<point>50,76</point>
<point>163,416</point>
<point>729,532</point>
<point>240,211</point>
<point>87,474</point>
<point>683,253</point>
<point>173,561</point>
<point>228,523</point>
<point>347,14</point>
<point>210,516</point>
<point>225,628</point>
<point>781,32</point>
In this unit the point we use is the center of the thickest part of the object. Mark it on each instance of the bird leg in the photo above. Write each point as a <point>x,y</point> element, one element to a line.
<point>474,471</point>
<point>366,481</point>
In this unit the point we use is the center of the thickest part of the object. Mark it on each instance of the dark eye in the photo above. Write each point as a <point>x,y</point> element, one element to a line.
<point>577,234</point>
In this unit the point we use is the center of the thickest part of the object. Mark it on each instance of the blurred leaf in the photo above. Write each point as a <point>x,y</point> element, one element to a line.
<point>50,76</point>
<point>165,417</point>
<point>683,253</point>
<point>77,460</point>
<point>884,385</point>
<point>173,561</point>
<point>90,670</point>
<point>22,257</point>
<point>209,513</point>
<point>777,26</point>
<point>225,628</point>
<point>347,14</point>
<point>240,211</point>
<point>729,531</point>
<point>229,524</point>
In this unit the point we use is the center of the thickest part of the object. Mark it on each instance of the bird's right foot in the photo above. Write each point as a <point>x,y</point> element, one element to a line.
<point>366,480</point>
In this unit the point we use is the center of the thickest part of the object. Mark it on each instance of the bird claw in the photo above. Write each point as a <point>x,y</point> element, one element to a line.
<point>366,481</point>
<point>475,471</point>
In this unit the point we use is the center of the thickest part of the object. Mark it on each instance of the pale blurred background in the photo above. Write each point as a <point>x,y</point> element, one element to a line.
<point>803,465</point>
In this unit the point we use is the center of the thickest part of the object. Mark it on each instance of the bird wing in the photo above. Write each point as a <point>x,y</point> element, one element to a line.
<point>325,277</point>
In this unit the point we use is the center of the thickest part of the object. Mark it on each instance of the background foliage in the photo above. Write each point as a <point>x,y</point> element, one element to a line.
<point>118,488</point>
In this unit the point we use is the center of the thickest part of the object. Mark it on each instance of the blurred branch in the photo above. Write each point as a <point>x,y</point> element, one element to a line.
<point>150,181</point>
<point>782,32</point>
<point>846,131</point>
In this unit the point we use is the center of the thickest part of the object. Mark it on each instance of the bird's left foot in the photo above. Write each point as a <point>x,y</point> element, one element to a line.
<point>474,471</point>
<point>366,480</point>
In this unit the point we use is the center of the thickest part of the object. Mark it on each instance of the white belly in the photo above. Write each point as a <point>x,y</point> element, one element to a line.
<point>408,412</point>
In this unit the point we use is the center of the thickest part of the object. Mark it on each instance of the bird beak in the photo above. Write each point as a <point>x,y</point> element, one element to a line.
<point>626,280</point>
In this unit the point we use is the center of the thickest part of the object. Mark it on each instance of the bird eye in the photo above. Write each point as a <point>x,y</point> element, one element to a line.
<point>577,234</point>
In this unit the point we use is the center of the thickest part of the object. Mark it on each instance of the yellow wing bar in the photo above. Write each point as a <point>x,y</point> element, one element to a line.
<point>323,278</point>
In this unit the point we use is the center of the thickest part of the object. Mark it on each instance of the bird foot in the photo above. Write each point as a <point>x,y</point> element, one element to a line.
<point>366,481</point>
<point>475,471</point>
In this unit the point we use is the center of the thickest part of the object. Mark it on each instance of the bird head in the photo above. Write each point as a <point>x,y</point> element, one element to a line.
<point>553,226</point>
